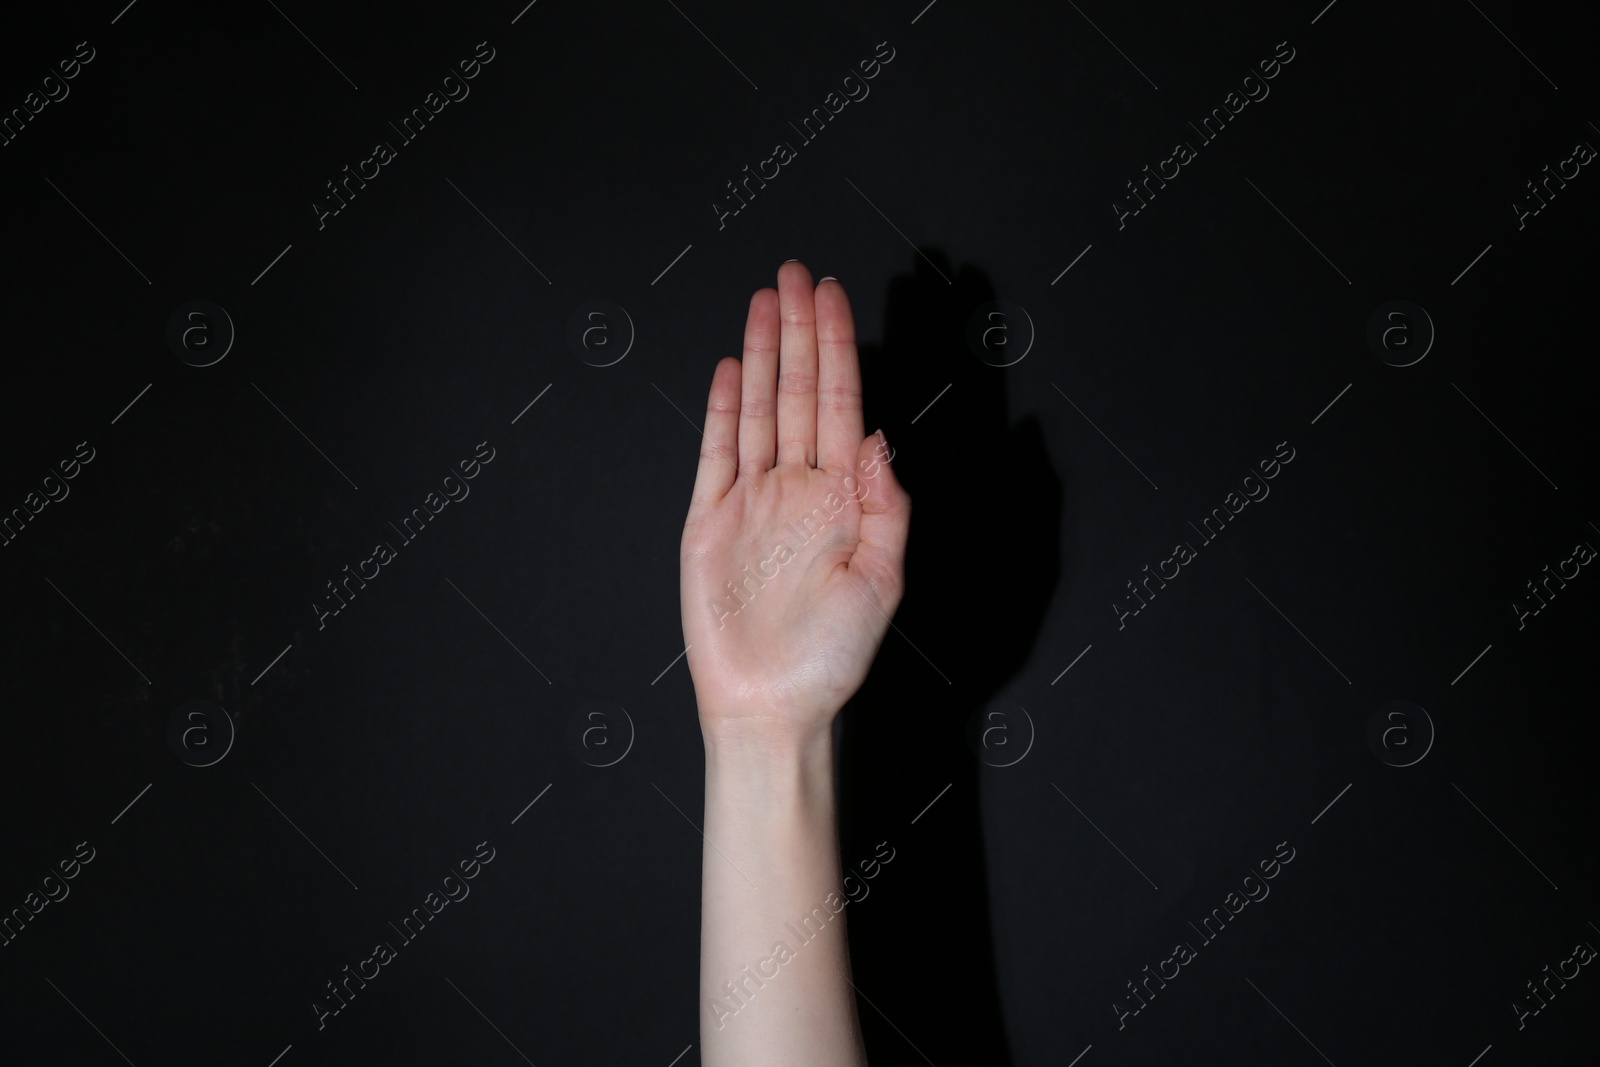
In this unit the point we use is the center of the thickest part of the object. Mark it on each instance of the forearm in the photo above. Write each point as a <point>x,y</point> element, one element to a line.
<point>774,960</point>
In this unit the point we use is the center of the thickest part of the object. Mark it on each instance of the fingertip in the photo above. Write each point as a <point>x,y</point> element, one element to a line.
<point>726,375</point>
<point>794,273</point>
<point>835,317</point>
<point>763,313</point>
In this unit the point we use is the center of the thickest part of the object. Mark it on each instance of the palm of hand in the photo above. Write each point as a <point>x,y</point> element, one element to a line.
<point>792,560</point>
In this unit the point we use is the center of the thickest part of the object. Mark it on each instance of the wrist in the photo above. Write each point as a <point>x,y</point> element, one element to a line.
<point>764,723</point>
<point>774,757</point>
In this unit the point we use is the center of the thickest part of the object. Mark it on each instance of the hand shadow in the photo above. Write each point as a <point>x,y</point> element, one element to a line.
<point>982,565</point>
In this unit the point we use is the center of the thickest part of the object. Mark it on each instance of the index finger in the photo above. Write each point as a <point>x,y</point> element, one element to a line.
<point>839,423</point>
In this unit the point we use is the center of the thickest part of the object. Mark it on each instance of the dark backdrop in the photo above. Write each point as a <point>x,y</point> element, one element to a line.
<point>1072,771</point>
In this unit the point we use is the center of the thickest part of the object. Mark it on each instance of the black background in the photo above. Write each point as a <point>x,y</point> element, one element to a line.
<point>422,719</point>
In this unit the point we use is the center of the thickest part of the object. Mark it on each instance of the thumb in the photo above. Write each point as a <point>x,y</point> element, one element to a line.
<point>885,521</point>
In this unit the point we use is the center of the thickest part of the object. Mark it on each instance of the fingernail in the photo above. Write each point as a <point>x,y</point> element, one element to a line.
<point>829,278</point>
<point>791,261</point>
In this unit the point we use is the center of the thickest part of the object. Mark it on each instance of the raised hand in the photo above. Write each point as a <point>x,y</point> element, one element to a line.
<point>792,560</point>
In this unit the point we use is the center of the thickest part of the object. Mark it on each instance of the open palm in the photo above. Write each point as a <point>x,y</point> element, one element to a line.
<point>792,560</point>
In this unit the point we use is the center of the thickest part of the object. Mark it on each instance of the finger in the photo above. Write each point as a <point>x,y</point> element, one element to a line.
<point>885,522</point>
<point>719,444</point>
<point>797,367</point>
<point>758,407</point>
<point>839,427</point>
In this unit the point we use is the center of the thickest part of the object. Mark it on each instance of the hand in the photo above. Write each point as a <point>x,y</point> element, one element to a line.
<point>793,552</point>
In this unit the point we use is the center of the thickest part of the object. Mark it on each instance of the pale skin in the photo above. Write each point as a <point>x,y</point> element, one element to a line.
<point>774,664</point>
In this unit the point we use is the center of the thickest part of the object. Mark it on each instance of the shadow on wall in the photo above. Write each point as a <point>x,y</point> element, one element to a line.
<point>983,563</point>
